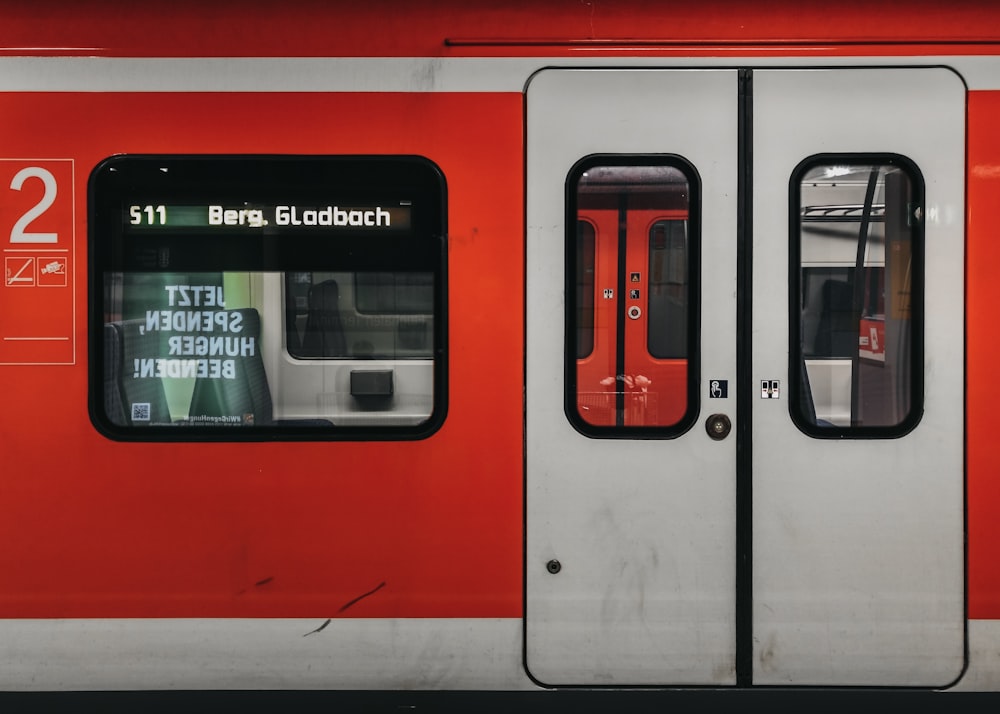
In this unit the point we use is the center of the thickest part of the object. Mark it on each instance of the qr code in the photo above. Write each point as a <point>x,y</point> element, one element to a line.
<point>140,411</point>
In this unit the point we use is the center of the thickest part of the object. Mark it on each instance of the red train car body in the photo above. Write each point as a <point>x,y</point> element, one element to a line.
<point>499,346</point>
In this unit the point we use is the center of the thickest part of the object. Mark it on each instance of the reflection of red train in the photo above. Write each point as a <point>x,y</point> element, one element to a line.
<point>499,346</point>
<point>631,296</point>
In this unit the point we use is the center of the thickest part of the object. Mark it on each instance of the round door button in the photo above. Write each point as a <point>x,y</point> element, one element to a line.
<point>718,426</point>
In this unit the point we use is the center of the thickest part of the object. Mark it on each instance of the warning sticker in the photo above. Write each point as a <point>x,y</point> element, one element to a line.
<point>37,237</point>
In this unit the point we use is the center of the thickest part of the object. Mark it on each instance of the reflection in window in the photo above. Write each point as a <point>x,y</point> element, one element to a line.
<point>857,288</point>
<point>360,315</point>
<point>667,301</point>
<point>629,302</point>
<point>396,293</point>
<point>584,289</point>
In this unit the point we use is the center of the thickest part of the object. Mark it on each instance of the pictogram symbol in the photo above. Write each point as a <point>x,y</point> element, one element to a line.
<point>52,271</point>
<point>19,272</point>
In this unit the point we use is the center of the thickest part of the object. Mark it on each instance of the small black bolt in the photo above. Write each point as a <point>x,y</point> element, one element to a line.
<point>553,566</point>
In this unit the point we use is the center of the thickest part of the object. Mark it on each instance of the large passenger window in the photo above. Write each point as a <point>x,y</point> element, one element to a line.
<point>632,359</point>
<point>267,297</point>
<point>856,296</point>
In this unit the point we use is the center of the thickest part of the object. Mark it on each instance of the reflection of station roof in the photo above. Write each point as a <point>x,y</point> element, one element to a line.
<point>631,179</point>
<point>850,212</point>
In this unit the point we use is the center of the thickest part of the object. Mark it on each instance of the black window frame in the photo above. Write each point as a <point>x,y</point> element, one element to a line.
<point>572,312</point>
<point>800,396</point>
<point>128,179</point>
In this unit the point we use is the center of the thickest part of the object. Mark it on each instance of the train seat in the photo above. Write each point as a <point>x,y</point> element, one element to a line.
<point>324,331</point>
<point>246,396</point>
<point>114,408</point>
<point>140,401</point>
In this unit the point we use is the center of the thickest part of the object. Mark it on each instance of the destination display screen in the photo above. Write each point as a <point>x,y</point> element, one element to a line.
<point>248,216</point>
<point>294,213</point>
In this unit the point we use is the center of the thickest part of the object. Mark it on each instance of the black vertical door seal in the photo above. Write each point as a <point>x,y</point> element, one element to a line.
<point>744,391</point>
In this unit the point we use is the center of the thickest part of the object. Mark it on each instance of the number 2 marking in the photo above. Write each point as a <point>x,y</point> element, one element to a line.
<point>18,234</point>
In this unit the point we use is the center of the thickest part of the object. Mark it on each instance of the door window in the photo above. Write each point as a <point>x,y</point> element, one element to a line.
<point>856,296</point>
<point>630,302</point>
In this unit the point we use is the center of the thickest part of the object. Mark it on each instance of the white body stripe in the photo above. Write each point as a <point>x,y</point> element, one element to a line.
<point>261,653</point>
<point>392,74</point>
